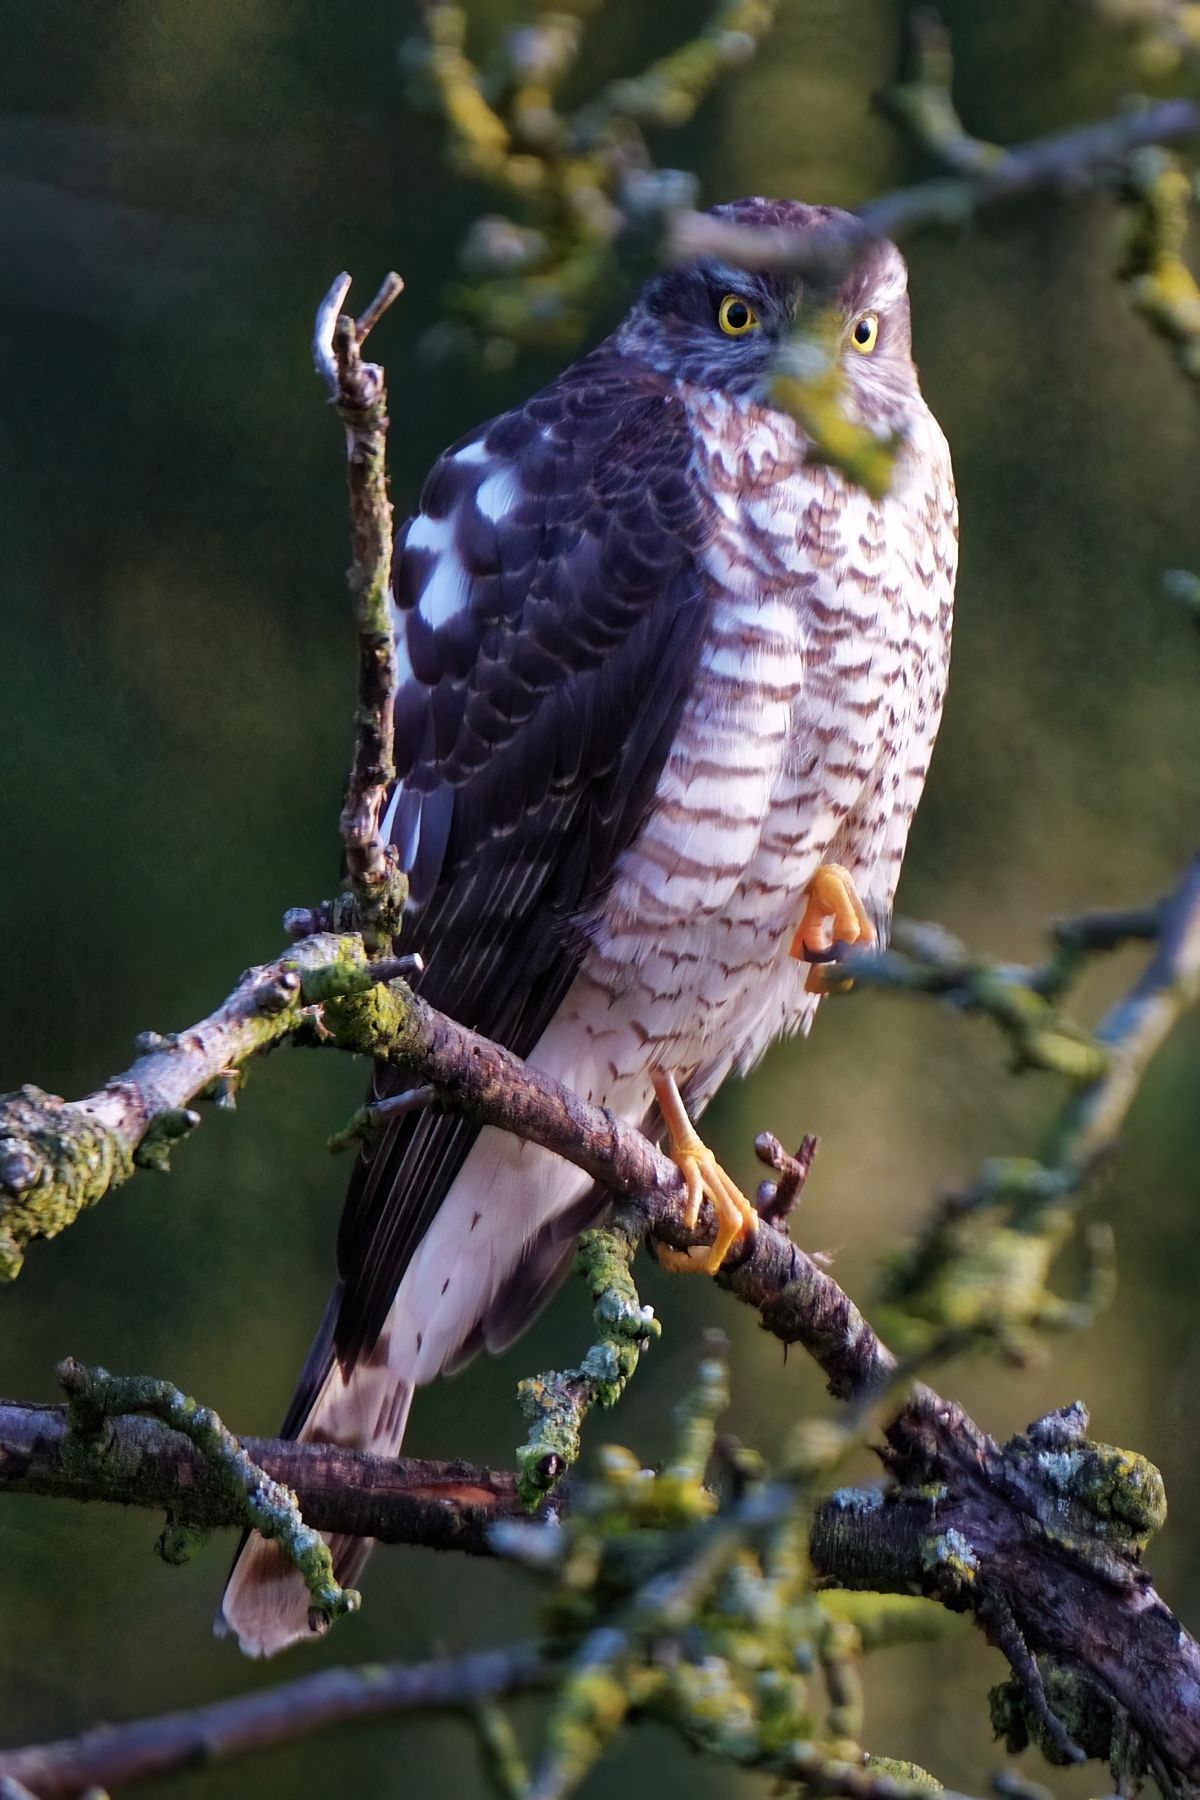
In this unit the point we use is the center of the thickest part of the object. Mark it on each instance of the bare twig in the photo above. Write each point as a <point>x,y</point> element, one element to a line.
<point>118,1756</point>
<point>776,1200</point>
<point>1133,1030</point>
<point>1063,160</point>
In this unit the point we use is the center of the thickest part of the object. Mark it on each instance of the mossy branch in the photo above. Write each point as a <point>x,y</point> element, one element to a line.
<point>577,177</point>
<point>982,1261</point>
<point>58,1157</point>
<point>1040,1540</point>
<point>1159,194</point>
<point>557,1404</point>
<point>259,1502</point>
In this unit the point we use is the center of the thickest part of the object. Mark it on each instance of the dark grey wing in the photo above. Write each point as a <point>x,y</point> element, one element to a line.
<point>550,606</point>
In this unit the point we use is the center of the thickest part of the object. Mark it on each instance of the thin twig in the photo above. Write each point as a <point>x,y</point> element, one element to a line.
<point>358,392</point>
<point>119,1755</point>
<point>1064,159</point>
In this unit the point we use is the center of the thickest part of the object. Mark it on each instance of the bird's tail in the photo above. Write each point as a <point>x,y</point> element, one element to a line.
<point>266,1604</point>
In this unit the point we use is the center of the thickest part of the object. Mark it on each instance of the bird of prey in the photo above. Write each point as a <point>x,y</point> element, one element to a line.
<point>668,692</point>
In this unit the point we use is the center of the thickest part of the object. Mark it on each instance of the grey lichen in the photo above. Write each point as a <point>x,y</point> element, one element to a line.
<point>951,1552</point>
<point>1091,1495</point>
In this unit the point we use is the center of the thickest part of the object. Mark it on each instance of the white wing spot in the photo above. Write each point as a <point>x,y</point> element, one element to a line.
<point>473,453</point>
<point>430,534</point>
<point>498,495</point>
<point>446,592</point>
<point>389,818</point>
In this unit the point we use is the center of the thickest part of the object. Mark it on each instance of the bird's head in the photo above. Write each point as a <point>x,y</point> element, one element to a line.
<point>723,327</point>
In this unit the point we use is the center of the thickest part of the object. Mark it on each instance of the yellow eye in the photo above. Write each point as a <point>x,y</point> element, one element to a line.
<point>864,333</point>
<point>736,316</point>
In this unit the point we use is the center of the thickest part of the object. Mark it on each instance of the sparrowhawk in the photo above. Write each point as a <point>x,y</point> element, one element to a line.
<point>668,692</point>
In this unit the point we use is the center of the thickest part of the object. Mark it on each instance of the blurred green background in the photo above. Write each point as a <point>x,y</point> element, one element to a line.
<point>178,184</point>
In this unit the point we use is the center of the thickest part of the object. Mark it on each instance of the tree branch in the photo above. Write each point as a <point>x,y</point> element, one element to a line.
<point>358,392</point>
<point>1040,1539</point>
<point>1063,160</point>
<point>116,1756</point>
<point>263,1505</point>
<point>401,1500</point>
<point>58,1157</point>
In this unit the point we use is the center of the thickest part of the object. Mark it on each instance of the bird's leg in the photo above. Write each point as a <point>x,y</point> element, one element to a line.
<point>705,1179</point>
<point>833,914</point>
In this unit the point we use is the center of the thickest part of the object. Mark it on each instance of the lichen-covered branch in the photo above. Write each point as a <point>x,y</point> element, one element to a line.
<point>557,1404</point>
<point>258,1501</point>
<point>58,1157</point>
<point>374,882</point>
<point>923,103</point>
<point>1159,194</point>
<point>398,1500</point>
<point>577,177</point>
<point>1040,1539</point>
<point>982,1261</point>
<point>659,1582</point>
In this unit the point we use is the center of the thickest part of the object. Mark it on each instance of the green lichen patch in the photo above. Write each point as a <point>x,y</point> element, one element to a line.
<point>268,1507</point>
<point>1090,1720</point>
<point>557,1403</point>
<point>55,1160</point>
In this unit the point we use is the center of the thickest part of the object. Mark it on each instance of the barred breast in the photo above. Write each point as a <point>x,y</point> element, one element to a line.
<point>807,740</point>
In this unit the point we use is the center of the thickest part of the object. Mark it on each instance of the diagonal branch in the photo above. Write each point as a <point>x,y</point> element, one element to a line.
<point>58,1157</point>
<point>1062,160</point>
<point>118,1756</point>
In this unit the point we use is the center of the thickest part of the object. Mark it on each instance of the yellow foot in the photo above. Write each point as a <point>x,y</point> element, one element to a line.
<point>705,1179</point>
<point>833,915</point>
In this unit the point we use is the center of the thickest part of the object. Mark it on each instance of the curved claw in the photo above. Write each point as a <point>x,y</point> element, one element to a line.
<point>833,914</point>
<point>705,1179</point>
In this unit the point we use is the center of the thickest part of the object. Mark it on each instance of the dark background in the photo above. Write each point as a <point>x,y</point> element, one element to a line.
<point>178,185</point>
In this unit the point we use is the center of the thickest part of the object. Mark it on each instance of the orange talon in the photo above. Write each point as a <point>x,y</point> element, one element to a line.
<point>705,1179</point>
<point>833,914</point>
